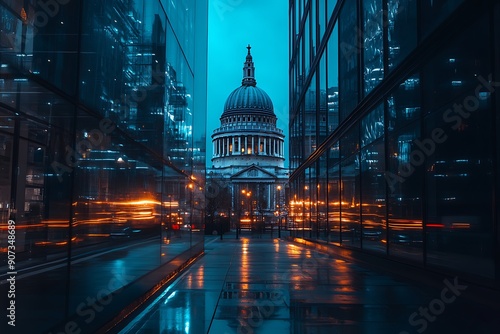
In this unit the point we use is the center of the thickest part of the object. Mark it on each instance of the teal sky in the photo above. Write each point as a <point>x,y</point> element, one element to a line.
<point>232,25</point>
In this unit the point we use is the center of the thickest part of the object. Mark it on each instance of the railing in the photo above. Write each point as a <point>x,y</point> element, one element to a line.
<point>232,128</point>
<point>243,154</point>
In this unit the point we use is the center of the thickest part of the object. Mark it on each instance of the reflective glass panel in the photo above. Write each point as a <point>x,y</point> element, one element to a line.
<point>404,103</point>
<point>405,195</point>
<point>373,44</point>
<point>350,45</point>
<point>402,29</point>
<point>373,197</point>
<point>333,80</point>
<point>350,200</point>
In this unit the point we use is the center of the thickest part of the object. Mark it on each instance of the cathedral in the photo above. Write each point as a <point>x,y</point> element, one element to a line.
<point>248,154</point>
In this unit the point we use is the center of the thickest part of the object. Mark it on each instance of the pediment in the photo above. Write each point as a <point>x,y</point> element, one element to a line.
<point>253,172</point>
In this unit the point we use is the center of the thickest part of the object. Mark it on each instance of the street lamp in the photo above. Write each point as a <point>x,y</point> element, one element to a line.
<point>246,193</point>
<point>169,226</point>
<point>249,193</point>
<point>191,188</point>
<point>308,197</point>
<point>237,206</point>
<point>304,211</point>
<point>317,211</point>
<point>279,213</point>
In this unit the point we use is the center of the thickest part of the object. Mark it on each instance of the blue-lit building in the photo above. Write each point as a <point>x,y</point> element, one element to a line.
<point>393,140</point>
<point>102,149</point>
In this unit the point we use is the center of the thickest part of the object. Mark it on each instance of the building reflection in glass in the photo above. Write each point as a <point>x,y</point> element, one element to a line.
<point>403,155</point>
<point>99,157</point>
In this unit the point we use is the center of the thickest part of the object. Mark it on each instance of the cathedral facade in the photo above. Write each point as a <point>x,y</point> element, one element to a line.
<point>248,153</point>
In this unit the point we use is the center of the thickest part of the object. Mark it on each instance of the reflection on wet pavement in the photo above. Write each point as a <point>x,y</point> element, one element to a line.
<point>271,286</point>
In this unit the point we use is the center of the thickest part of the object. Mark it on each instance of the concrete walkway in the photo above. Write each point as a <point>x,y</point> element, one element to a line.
<point>261,285</point>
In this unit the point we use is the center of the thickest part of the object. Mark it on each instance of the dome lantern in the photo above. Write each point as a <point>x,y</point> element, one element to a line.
<point>249,70</point>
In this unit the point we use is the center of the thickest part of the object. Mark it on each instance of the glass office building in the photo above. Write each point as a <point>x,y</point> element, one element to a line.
<point>102,150</point>
<point>394,148</point>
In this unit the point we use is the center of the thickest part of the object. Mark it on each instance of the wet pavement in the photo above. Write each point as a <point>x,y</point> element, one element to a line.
<point>44,297</point>
<point>259,285</point>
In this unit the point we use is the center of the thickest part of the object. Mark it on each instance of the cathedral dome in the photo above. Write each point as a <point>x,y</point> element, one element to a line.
<point>248,99</point>
<point>248,134</point>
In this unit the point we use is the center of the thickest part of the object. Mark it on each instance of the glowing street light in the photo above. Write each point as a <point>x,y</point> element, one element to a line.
<point>279,213</point>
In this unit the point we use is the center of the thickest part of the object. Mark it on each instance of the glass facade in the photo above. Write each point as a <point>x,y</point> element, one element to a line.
<point>102,150</point>
<point>393,130</point>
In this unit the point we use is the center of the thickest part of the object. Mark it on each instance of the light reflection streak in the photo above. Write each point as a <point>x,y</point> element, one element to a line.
<point>244,258</point>
<point>172,295</point>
